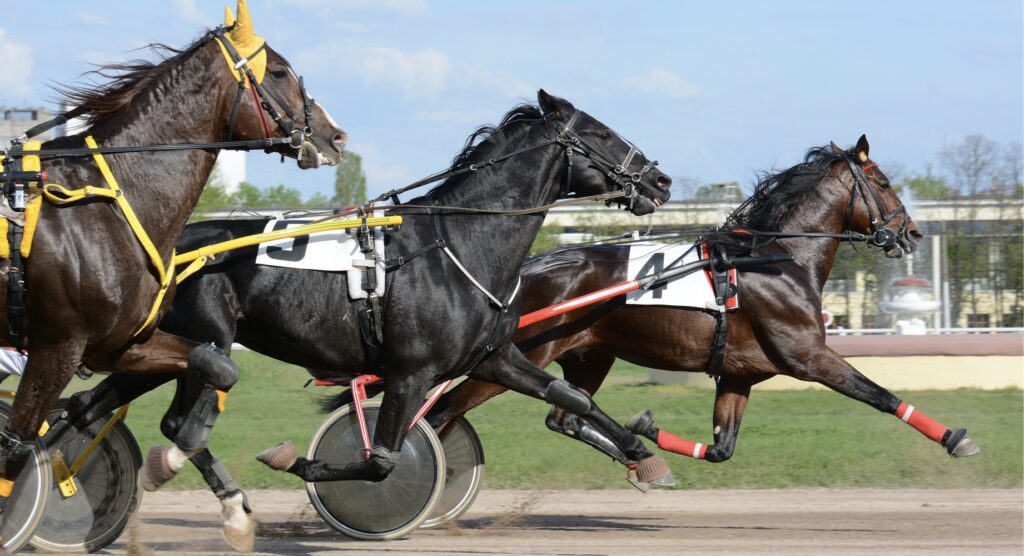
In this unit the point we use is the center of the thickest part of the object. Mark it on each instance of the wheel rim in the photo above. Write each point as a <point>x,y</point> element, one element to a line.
<point>108,491</point>
<point>369,510</point>
<point>464,473</point>
<point>27,501</point>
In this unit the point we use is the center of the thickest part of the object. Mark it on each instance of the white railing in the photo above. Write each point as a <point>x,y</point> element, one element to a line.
<point>930,331</point>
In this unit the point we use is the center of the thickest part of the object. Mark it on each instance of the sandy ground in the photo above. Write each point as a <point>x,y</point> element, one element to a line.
<point>775,522</point>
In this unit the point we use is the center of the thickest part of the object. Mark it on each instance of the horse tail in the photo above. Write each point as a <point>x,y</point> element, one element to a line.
<point>337,401</point>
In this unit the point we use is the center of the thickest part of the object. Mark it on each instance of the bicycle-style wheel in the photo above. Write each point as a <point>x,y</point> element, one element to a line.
<point>108,488</point>
<point>27,502</point>
<point>376,511</point>
<point>464,472</point>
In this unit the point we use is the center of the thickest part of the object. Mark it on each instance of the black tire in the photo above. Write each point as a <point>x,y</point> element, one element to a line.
<point>386,510</point>
<point>27,502</point>
<point>108,494</point>
<point>464,472</point>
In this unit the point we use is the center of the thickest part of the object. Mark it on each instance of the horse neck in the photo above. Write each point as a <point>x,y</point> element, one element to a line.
<point>825,212</point>
<point>493,247</point>
<point>163,188</point>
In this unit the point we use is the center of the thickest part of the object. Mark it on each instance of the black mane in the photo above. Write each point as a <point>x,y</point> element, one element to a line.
<point>776,193</point>
<point>487,139</point>
<point>125,80</point>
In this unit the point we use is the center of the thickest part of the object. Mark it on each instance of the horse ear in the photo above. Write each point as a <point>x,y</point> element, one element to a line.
<point>229,18</point>
<point>243,33</point>
<point>836,150</point>
<point>550,104</point>
<point>862,149</point>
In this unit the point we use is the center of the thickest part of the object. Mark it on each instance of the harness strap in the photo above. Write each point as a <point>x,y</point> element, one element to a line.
<point>60,195</point>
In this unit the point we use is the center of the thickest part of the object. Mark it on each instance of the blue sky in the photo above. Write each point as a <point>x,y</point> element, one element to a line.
<point>714,91</point>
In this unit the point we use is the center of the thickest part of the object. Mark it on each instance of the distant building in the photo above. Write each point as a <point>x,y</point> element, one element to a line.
<point>14,122</point>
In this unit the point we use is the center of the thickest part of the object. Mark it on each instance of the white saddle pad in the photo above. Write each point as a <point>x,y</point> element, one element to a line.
<point>691,290</point>
<point>332,251</point>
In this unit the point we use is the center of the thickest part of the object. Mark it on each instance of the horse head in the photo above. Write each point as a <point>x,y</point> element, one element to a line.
<point>606,160</point>
<point>263,97</point>
<point>875,209</point>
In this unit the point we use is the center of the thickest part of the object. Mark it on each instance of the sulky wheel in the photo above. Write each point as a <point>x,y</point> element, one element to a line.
<point>376,511</point>
<point>27,501</point>
<point>464,472</point>
<point>106,488</point>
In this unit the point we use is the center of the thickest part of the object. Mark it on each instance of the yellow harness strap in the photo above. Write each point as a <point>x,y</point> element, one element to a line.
<point>61,195</point>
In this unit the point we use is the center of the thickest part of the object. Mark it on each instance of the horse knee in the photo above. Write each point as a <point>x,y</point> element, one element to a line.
<point>214,365</point>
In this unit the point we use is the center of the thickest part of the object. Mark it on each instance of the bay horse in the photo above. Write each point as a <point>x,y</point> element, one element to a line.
<point>93,275</point>
<point>437,323</point>
<point>776,330</point>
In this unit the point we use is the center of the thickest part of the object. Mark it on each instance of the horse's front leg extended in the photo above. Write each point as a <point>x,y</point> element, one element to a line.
<point>830,369</point>
<point>510,368</point>
<point>403,397</point>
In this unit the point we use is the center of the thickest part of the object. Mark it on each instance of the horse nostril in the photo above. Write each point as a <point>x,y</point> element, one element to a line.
<point>664,182</point>
<point>340,140</point>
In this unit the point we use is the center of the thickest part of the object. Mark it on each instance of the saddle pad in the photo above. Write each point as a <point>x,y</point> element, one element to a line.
<point>692,290</point>
<point>331,251</point>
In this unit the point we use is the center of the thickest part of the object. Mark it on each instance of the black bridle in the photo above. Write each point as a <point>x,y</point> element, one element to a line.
<point>881,235</point>
<point>298,135</point>
<point>571,142</point>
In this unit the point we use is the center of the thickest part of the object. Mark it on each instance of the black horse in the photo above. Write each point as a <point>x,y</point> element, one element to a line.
<point>437,323</point>
<point>776,330</point>
<point>94,287</point>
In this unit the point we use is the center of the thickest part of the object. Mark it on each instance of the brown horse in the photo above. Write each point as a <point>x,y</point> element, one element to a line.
<point>92,286</point>
<point>777,329</point>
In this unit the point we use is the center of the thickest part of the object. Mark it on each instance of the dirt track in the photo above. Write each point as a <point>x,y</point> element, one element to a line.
<point>878,522</point>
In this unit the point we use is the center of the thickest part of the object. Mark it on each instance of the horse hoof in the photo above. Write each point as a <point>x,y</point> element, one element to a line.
<point>636,482</point>
<point>641,423</point>
<point>280,457</point>
<point>156,471</point>
<point>655,471</point>
<point>959,446</point>
<point>240,539</point>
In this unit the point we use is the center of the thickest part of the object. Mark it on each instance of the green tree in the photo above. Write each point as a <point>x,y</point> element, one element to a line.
<point>926,185</point>
<point>349,181</point>
<point>318,200</point>
<point>281,196</point>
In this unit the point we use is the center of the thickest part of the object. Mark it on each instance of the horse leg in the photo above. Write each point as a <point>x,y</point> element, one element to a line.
<point>455,403</point>
<point>403,397</point>
<point>47,373</point>
<point>731,396</point>
<point>830,369</point>
<point>585,370</point>
<point>511,369</point>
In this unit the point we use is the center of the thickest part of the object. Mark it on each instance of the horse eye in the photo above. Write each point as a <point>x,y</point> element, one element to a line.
<point>278,73</point>
<point>606,134</point>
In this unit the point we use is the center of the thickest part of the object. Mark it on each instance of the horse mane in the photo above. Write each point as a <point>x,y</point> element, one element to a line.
<point>489,138</point>
<point>97,101</point>
<point>778,192</point>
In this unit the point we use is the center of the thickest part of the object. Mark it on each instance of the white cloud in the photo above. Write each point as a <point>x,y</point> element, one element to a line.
<point>401,7</point>
<point>188,11</point>
<point>90,18</point>
<point>382,173</point>
<point>662,82</point>
<point>505,85</point>
<point>16,59</point>
<point>424,73</point>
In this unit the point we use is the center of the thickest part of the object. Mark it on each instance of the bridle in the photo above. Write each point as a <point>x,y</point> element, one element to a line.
<point>299,132</point>
<point>618,173</point>
<point>571,142</point>
<point>881,235</point>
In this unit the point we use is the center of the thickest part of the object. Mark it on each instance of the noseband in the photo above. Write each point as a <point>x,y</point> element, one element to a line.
<point>298,135</point>
<point>881,235</point>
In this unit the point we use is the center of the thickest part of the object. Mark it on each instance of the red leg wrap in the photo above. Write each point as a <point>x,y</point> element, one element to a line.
<point>672,443</point>
<point>923,423</point>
